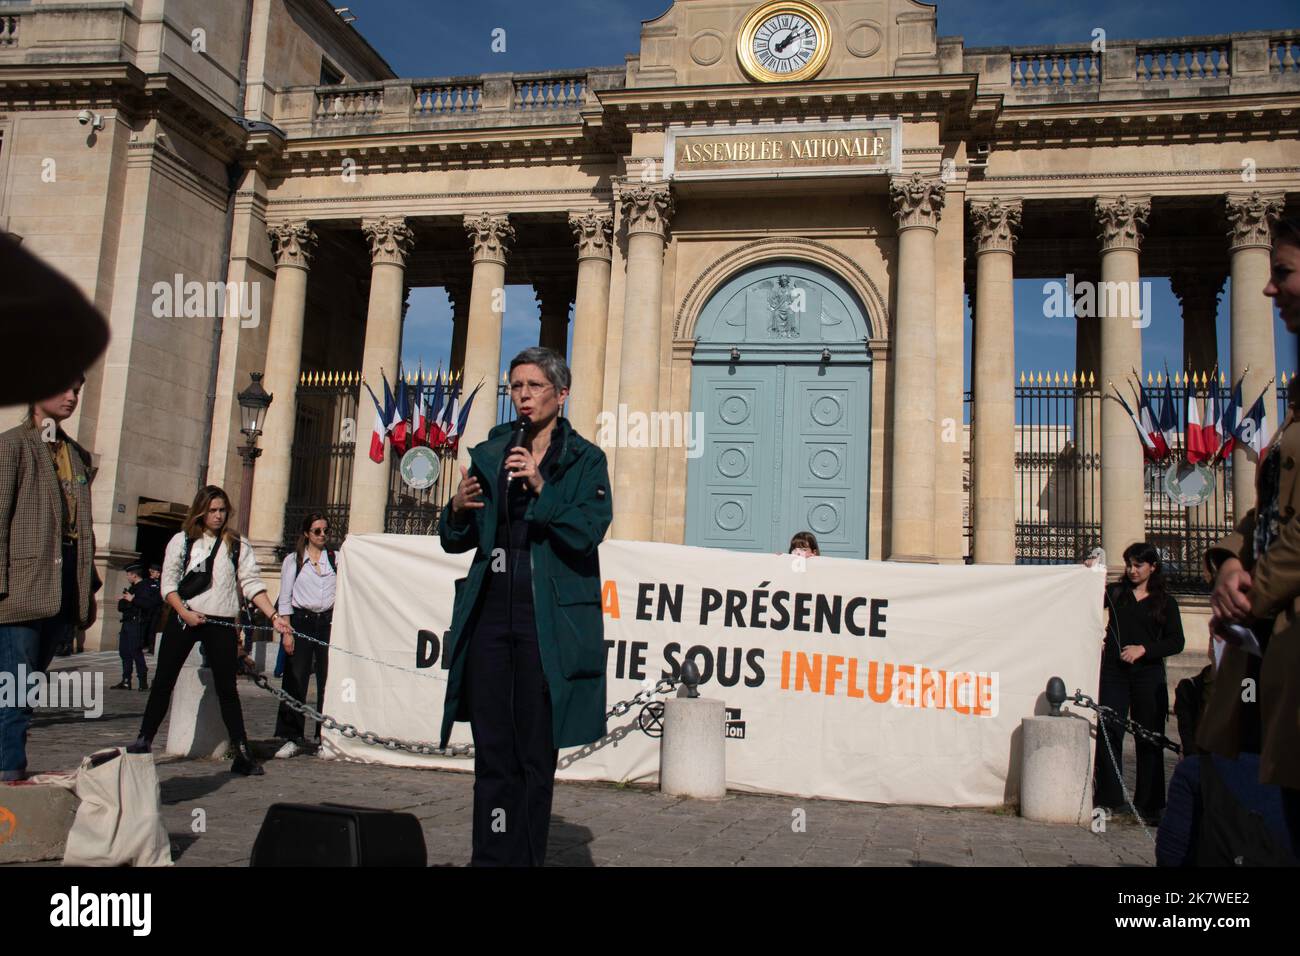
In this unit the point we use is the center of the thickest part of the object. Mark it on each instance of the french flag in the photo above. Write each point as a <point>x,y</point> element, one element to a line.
<point>1148,446</point>
<point>398,428</point>
<point>420,431</point>
<point>377,434</point>
<point>1197,450</point>
<point>1252,430</point>
<point>1150,424</point>
<point>435,436</point>
<point>1229,419</point>
<point>462,418</point>
<point>1168,417</point>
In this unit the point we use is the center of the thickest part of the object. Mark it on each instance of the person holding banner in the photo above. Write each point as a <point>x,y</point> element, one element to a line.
<point>1256,599</point>
<point>526,645</point>
<point>1145,627</point>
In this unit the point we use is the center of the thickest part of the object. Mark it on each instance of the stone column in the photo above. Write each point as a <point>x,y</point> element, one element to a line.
<point>593,230</point>
<point>1087,418</point>
<point>1122,488</point>
<point>1198,291</point>
<point>457,290</point>
<point>554,296</point>
<point>646,210</point>
<point>490,235</point>
<point>1250,218</point>
<point>918,203</point>
<point>993,382</point>
<point>293,244</point>
<point>390,243</point>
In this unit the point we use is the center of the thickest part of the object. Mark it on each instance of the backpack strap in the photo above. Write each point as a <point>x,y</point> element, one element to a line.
<point>334,565</point>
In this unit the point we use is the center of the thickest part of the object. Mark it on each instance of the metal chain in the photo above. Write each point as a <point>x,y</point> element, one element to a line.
<point>1137,730</point>
<point>328,646</point>
<point>1106,714</point>
<point>664,686</point>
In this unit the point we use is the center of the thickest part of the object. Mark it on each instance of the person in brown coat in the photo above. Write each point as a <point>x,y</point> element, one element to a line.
<point>1257,583</point>
<point>47,546</point>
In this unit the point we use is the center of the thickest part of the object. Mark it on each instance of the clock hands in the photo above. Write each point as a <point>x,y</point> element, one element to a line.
<point>794,34</point>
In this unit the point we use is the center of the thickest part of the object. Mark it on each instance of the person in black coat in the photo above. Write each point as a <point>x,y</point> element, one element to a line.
<point>138,606</point>
<point>1144,627</point>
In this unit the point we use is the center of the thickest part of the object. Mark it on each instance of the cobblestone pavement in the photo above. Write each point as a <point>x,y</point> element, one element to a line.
<point>592,824</point>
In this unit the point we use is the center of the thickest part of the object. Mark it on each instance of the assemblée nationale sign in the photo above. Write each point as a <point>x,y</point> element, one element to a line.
<point>707,154</point>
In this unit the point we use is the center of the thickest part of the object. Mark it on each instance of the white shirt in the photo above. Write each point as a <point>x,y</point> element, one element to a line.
<point>311,589</point>
<point>222,599</point>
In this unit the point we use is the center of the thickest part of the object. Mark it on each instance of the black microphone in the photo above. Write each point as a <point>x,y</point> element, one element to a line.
<point>516,439</point>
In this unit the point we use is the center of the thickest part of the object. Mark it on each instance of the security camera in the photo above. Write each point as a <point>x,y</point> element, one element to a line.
<point>94,120</point>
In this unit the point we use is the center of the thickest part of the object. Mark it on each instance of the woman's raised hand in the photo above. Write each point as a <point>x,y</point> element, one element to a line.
<point>469,493</point>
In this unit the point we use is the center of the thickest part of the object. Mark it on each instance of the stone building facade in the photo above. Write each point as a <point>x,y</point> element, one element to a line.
<point>769,219</point>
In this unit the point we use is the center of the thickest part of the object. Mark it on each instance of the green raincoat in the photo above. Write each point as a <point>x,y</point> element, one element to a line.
<point>567,522</point>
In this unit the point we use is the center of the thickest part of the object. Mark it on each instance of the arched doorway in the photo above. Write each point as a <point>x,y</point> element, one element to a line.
<point>782,380</point>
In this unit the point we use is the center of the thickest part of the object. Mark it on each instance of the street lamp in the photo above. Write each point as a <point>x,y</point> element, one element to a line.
<point>253,403</point>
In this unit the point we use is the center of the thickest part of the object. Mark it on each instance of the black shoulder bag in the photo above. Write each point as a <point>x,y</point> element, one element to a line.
<point>199,580</point>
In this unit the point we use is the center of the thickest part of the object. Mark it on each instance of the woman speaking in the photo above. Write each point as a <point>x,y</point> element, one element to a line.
<point>526,646</point>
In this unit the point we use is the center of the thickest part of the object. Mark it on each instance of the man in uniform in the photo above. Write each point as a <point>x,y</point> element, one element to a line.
<point>138,604</point>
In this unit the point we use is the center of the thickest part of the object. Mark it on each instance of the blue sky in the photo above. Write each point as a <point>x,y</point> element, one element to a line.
<point>427,39</point>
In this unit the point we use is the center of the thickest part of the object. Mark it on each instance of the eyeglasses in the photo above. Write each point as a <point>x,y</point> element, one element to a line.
<point>318,531</point>
<point>519,388</point>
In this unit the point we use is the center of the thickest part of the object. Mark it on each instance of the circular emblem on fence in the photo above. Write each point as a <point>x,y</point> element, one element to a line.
<point>420,467</point>
<point>651,719</point>
<point>1189,485</point>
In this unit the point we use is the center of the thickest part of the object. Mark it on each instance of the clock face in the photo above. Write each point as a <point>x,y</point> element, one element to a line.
<point>785,43</point>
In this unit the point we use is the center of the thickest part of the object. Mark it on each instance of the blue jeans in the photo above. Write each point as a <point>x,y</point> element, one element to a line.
<point>32,645</point>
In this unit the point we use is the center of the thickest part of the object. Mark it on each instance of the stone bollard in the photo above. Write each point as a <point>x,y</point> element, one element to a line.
<point>1054,770</point>
<point>692,754</point>
<point>34,821</point>
<point>195,727</point>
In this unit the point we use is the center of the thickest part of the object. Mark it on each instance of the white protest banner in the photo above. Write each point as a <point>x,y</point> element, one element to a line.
<point>855,680</point>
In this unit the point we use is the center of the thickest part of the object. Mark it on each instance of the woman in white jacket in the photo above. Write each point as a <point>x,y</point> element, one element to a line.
<point>206,541</point>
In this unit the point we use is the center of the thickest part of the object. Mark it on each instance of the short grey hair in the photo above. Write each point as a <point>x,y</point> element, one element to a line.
<point>549,361</point>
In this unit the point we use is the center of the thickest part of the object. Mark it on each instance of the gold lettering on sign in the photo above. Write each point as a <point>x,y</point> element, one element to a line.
<point>786,150</point>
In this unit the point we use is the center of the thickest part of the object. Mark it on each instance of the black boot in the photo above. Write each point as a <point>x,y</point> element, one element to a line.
<point>142,745</point>
<point>144,682</point>
<point>124,685</point>
<point>244,762</point>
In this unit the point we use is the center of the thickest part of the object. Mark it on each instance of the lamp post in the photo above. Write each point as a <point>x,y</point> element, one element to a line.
<point>253,403</point>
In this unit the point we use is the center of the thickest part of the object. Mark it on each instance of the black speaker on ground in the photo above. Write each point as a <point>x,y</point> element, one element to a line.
<point>331,834</point>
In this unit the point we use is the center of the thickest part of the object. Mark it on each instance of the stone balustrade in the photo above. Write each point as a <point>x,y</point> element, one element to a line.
<point>9,30</point>
<point>1224,64</point>
<point>548,97</point>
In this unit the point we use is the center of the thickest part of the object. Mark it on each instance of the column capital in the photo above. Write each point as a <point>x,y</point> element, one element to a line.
<point>1121,221</point>
<point>390,239</point>
<point>491,235</point>
<point>293,243</point>
<point>996,222</point>
<point>592,230</point>
<point>647,206</point>
<point>1251,217</point>
<point>554,294</point>
<point>917,201</point>
<point>1197,287</point>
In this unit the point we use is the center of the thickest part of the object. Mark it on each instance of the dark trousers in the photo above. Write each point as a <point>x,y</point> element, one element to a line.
<point>307,658</point>
<point>219,644</point>
<point>130,647</point>
<point>1142,690</point>
<point>514,760</point>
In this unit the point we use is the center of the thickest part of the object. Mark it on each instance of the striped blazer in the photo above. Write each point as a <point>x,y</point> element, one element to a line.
<point>31,529</point>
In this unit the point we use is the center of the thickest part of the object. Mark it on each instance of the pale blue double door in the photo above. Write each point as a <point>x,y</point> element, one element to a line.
<point>785,450</point>
<point>786,422</point>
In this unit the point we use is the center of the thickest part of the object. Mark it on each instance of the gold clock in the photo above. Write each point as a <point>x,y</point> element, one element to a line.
<point>784,41</point>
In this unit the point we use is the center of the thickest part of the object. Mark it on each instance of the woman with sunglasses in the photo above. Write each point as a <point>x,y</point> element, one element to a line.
<point>307,599</point>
